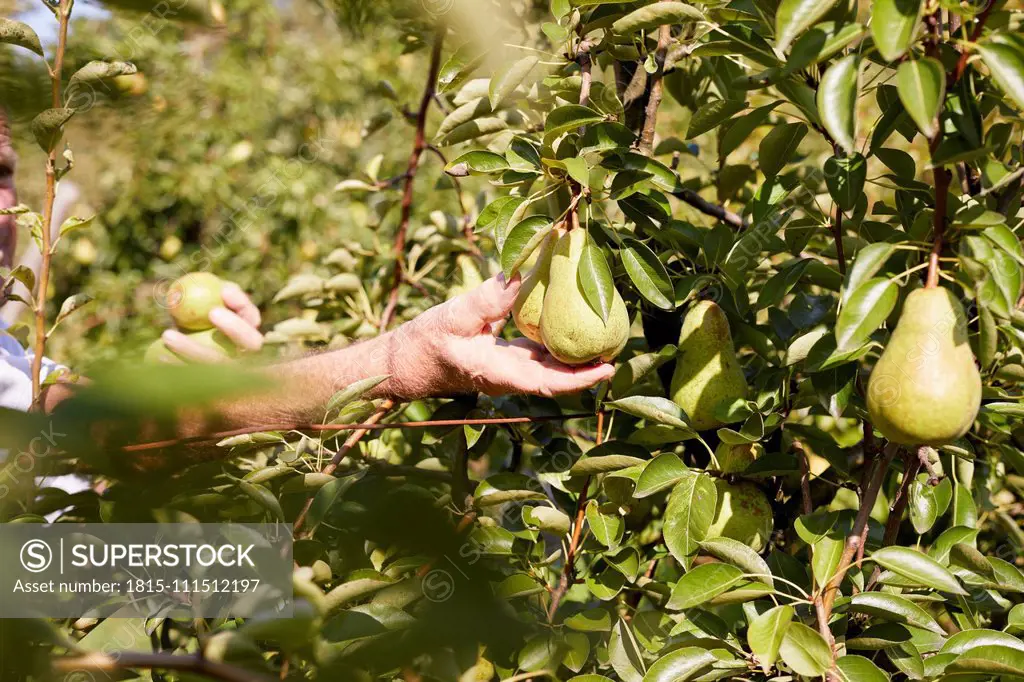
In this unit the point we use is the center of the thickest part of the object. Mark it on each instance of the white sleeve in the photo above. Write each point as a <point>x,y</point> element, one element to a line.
<point>16,373</point>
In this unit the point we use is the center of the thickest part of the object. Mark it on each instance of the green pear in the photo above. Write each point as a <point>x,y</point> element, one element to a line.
<point>192,297</point>
<point>707,373</point>
<point>214,339</point>
<point>734,459</point>
<point>743,513</point>
<point>530,301</point>
<point>925,388</point>
<point>569,327</point>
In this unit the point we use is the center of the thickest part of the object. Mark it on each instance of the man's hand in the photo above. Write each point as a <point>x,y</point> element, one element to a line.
<point>238,319</point>
<point>451,348</point>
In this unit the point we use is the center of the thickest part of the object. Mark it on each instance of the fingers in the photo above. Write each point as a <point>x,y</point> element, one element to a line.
<point>235,299</point>
<point>239,330</point>
<point>473,312</point>
<point>522,366</point>
<point>191,350</point>
<point>559,379</point>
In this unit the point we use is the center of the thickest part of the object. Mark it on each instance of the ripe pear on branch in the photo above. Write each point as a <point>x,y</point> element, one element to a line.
<point>925,389</point>
<point>530,302</point>
<point>570,329</point>
<point>707,373</point>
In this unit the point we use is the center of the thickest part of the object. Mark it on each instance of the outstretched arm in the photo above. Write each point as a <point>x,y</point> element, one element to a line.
<point>449,349</point>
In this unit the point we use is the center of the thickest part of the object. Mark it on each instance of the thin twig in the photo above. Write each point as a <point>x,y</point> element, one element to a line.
<point>156,445</point>
<point>332,466</point>
<point>646,144</point>
<point>419,145</point>
<point>855,538</point>
<point>43,284</point>
<point>115,662</point>
<point>896,510</point>
<point>707,208</point>
<point>568,576</point>
<point>961,64</point>
<point>467,222</point>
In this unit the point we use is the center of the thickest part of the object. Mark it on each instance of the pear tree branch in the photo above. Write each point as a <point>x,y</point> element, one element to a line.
<point>419,146</point>
<point>63,11</point>
<point>119,661</point>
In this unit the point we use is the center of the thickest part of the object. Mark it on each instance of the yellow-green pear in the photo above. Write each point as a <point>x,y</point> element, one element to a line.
<point>569,327</point>
<point>192,297</point>
<point>744,514</point>
<point>925,388</point>
<point>530,301</point>
<point>707,372</point>
<point>213,339</point>
<point>734,459</point>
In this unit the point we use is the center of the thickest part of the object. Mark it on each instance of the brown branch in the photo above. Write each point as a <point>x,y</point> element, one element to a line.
<point>707,208</point>
<point>646,144</point>
<point>897,508</point>
<point>569,568</point>
<point>942,177</point>
<point>586,63</point>
<point>332,466</point>
<point>43,283</point>
<point>127,660</point>
<point>806,507</point>
<point>857,534</point>
<point>419,145</point>
<point>467,222</point>
<point>961,64</point>
<point>156,445</point>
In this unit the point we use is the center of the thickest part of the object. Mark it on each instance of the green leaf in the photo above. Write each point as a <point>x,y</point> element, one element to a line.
<point>603,137</point>
<point>827,552</point>
<point>864,312</point>
<point>921,84</point>
<point>325,498</point>
<point>568,118</point>
<point>17,33</point>
<point>652,408</point>
<point>793,17</point>
<point>924,510</point>
<point>870,260</point>
<point>522,240</point>
<point>990,660</point>
<point>680,665</point>
<point>624,653</point>
<point>70,305</point>
<point>845,177</point>
<point>547,519</point>
<point>1006,63</point>
<point>854,668</point>
<point>766,632</point>
<point>837,101</point>
<point>648,274</point>
<point>505,81</point>
<point>662,472</point>
<point>894,608</point>
<point>739,554</point>
<point>822,42</point>
<point>892,26</point>
<point>264,498</point>
<point>352,392</point>
<point>458,67</point>
<point>778,147</point>
<point>918,567</point>
<point>805,651</point>
<point>96,71</point>
<point>702,584</point>
<point>48,127</point>
<point>591,620</point>
<point>479,162</point>
<point>658,14</point>
<point>712,115</point>
<point>607,528</point>
<point>629,376</point>
<point>594,277</point>
<point>966,640</point>
<point>688,515</point>
<point>741,128</point>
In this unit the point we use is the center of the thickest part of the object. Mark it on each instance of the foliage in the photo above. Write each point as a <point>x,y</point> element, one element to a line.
<point>823,151</point>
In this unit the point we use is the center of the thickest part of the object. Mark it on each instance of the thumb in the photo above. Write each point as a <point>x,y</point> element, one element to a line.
<point>474,311</point>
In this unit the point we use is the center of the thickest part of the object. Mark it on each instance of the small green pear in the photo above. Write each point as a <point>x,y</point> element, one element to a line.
<point>707,372</point>
<point>214,339</point>
<point>743,513</point>
<point>734,459</point>
<point>530,301</point>
<point>192,297</point>
<point>925,388</point>
<point>569,327</point>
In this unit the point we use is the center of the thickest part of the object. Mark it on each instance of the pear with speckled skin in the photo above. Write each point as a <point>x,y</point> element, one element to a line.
<point>707,373</point>
<point>530,301</point>
<point>925,388</point>
<point>569,327</point>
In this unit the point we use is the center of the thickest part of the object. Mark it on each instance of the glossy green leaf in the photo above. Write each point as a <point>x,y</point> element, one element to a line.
<point>893,23</point>
<point>607,528</point>
<point>569,118</point>
<point>594,277</point>
<point>870,260</point>
<point>805,651</point>
<point>688,515</point>
<point>648,274</point>
<point>845,177</point>
<point>837,101</point>
<point>864,312</point>
<point>921,84</point>
<point>478,162</point>
<point>740,555</point>
<point>508,79</point>
<point>1006,63</point>
<point>656,409</point>
<point>793,17</point>
<point>680,665</point>
<point>703,583</point>
<point>853,668</point>
<point>662,472</point>
<point>658,14</point>
<point>920,568</point>
<point>712,115</point>
<point>766,632</point>
<point>895,608</point>
<point>778,147</point>
<point>522,240</point>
